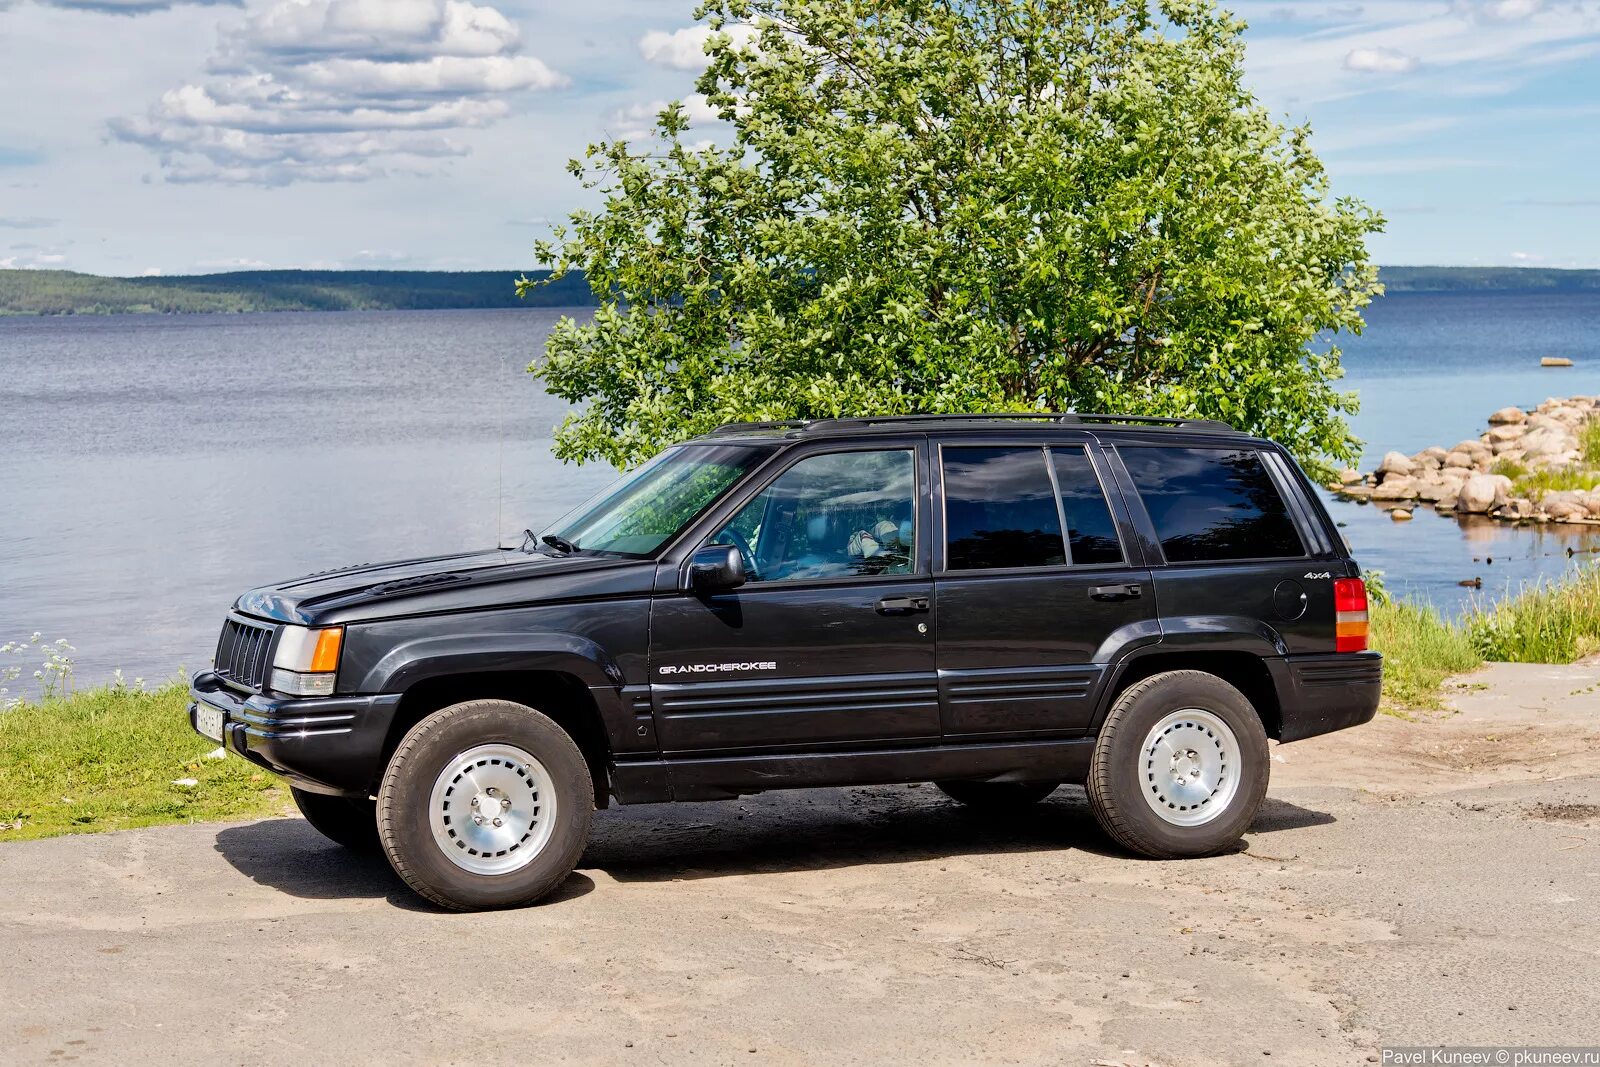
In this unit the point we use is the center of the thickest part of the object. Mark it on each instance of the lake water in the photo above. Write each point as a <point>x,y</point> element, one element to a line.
<point>151,467</point>
<point>1429,369</point>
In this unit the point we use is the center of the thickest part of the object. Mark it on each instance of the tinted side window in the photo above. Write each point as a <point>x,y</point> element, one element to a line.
<point>1090,530</point>
<point>1212,503</point>
<point>834,515</point>
<point>1000,510</point>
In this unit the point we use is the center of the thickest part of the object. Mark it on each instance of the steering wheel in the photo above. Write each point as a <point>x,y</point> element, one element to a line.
<point>747,555</point>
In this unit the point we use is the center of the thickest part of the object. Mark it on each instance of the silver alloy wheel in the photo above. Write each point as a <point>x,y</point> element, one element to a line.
<point>493,809</point>
<point>1191,767</point>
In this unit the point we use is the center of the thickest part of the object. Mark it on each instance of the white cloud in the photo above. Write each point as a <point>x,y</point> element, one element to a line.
<point>685,49</point>
<point>369,256</point>
<point>1460,48</point>
<point>133,7</point>
<point>340,90</point>
<point>234,263</point>
<point>679,49</point>
<point>636,122</point>
<point>397,29</point>
<point>26,222</point>
<point>1508,10</point>
<point>1379,61</point>
<point>447,75</point>
<point>40,261</point>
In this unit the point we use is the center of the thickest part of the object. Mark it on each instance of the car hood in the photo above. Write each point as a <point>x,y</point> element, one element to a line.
<point>443,583</point>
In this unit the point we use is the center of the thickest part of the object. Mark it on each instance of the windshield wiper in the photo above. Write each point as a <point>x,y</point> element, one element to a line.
<point>559,543</point>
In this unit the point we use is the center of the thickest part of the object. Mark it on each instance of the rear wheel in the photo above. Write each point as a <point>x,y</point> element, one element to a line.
<point>348,821</point>
<point>1180,766</point>
<point>997,796</point>
<point>485,804</point>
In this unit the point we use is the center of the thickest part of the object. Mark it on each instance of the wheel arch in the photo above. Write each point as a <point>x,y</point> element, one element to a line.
<point>562,695</point>
<point>1246,671</point>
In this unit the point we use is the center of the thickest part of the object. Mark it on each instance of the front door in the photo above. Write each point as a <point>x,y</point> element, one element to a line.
<point>1037,585</point>
<point>829,643</point>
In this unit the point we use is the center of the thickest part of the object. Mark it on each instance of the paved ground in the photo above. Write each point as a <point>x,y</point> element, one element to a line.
<point>1423,883</point>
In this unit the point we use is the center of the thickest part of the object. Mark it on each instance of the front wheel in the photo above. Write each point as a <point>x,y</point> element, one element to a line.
<point>1180,766</point>
<point>348,821</point>
<point>485,804</point>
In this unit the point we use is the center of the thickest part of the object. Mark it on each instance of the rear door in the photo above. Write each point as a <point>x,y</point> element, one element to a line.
<point>1243,551</point>
<point>1037,580</point>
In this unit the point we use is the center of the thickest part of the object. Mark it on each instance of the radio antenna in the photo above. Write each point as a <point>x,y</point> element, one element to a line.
<point>500,461</point>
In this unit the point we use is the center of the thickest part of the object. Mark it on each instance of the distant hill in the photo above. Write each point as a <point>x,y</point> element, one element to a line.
<point>1482,279</point>
<point>60,292</point>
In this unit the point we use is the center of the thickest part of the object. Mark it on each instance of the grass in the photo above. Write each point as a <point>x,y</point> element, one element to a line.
<point>107,759</point>
<point>1584,474</point>
<point>1553,622</point>
<point>1420,650</point>
<point>1535,484</point>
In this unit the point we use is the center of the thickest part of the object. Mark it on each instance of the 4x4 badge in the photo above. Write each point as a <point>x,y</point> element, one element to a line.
<point>1324,574</point>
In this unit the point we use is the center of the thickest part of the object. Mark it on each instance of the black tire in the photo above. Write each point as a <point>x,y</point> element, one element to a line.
<point>348,821</point>
<point>997,796</point>
<point>1119,772</point>
<point>405,796</point>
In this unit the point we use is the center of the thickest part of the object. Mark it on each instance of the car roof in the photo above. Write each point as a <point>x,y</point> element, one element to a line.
<point>997,423</point>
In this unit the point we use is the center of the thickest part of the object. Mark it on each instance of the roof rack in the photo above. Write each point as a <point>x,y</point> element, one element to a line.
<point>1063,418</point>
<point>783,424</point>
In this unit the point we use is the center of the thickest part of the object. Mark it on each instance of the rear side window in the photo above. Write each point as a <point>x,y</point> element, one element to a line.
<point>1090,531</point>
<point>1000,510</point>
<point>1212,503</point>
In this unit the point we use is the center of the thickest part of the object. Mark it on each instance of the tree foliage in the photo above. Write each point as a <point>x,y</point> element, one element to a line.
<point>961,205</point>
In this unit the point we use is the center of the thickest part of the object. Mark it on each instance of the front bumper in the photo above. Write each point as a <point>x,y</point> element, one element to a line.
<point>1319,694</point>
<point>321,744</point>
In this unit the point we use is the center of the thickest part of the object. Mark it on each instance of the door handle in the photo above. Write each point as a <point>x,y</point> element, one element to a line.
<point>1127,591</point>
<point>902,605</point>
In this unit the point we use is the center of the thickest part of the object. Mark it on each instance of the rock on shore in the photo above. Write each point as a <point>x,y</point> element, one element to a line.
<point>1468,478</point>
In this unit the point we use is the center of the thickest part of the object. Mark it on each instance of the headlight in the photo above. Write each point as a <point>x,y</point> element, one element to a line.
<point>307,661</point>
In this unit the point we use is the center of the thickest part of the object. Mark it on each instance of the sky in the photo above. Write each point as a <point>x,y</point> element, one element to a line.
<point>162,136</point>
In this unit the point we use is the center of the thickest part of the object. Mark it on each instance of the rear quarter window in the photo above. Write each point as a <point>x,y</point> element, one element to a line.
<point>1212,503</point>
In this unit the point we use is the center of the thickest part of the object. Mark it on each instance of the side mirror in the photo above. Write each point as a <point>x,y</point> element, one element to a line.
<point>715,568</point>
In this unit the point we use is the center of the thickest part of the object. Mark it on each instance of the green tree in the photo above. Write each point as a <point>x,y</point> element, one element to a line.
<point>961,205</point>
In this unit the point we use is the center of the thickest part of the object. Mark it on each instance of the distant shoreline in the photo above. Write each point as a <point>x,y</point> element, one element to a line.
<point>55,292</point>
<point>60,293</point>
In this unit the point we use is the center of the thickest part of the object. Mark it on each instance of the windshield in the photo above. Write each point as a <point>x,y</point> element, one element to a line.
<point>646,508</point>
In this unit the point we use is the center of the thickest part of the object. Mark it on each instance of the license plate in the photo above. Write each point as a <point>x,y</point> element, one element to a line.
<point>208,720</point>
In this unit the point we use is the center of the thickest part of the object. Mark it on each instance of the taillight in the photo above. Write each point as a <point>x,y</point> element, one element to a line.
<point>1349,615</point>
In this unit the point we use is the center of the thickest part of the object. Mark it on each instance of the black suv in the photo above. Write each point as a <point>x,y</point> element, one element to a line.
<point>996,604</point>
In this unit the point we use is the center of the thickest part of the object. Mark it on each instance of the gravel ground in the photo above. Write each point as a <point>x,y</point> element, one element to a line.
<point>1406,884</point>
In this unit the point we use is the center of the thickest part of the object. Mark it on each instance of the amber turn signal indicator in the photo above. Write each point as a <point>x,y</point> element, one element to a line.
<point>325,657</point>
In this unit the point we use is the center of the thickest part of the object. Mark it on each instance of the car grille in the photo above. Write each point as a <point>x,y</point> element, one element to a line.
<point>244,654</point>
